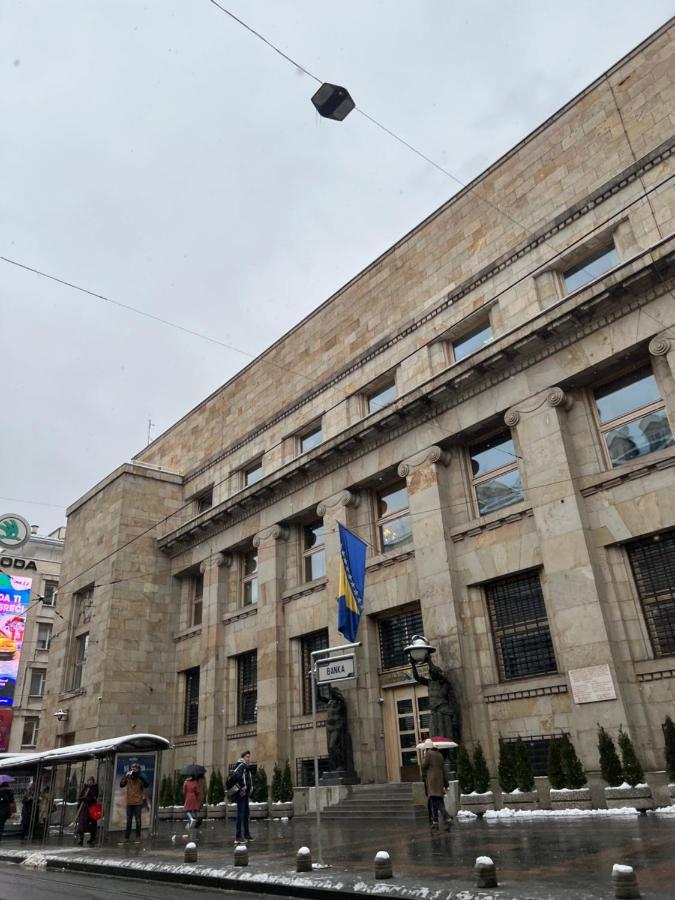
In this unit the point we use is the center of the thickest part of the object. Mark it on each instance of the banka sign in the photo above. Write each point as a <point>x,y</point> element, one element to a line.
<point>339,668</point>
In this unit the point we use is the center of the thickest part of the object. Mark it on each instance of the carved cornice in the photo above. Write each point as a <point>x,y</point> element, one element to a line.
<point>343,498</point>
<point>431,456</point>
<point>273,533</point>
<point>660,345</point>
<point>553,397</point>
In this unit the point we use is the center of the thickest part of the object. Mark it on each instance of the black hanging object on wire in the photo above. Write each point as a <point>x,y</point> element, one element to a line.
<point>333,102</point>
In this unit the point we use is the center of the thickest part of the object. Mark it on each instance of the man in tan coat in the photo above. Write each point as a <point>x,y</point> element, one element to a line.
<point>435,783</point>
<point>135,784</point>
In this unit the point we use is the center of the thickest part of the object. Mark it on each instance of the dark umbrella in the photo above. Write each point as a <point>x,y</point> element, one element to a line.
<point>193,770</point>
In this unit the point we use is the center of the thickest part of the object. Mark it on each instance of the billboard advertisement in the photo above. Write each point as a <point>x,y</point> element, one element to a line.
<point>14,602</point>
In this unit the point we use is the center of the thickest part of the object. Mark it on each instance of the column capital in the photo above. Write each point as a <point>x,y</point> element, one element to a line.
<point>342,498</point>
<point>224,560</point>
<point>273,533</point>
<point>432,455</point>
<point>552,397</point>
<point>660,345</point>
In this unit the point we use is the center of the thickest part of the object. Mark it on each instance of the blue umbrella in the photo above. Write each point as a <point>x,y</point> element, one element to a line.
<point>6,779</point>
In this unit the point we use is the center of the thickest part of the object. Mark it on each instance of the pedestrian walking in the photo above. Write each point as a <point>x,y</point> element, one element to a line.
<point>84,823</point>
<point>192,800</point>
<point>435,782</point>
<point>136,785</point>
<point>244,781</point>
<point>7,806</point>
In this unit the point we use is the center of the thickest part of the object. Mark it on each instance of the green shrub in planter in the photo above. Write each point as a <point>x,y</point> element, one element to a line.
<point>481,775</point>
<point>610,764</point>
<point>573,771</point>
<point>506,771</point>
<point>260,790</point>
<point>218,788</point>
<point>276,784</point>
<point>632,770</point>
<point>166,791</point>
<point>178,798</point>
<point>524,773</point>
<point>464,771</point>
<point>286,784</point>
<point>555,773</point>
<point>669,737</point>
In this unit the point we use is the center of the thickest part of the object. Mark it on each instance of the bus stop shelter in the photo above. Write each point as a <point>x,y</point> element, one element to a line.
<point>46,785</point>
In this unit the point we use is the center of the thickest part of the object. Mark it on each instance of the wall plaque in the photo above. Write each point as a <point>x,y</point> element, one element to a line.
<point>592,684</point>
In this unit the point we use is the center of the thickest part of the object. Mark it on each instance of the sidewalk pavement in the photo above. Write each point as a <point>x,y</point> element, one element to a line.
<point>538,860</point>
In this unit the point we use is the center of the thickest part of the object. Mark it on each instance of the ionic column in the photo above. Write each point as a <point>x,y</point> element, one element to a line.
<point>272,719</point>
<point>662,348</point>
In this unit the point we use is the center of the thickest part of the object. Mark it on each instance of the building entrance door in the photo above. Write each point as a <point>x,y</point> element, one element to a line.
<point>406,723</point>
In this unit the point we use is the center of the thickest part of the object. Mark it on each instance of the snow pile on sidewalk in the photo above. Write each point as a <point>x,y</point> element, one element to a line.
<point>662,811</point>
<point>494,815</point>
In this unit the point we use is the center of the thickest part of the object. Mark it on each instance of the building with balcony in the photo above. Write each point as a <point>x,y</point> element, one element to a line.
<point>490,405</point>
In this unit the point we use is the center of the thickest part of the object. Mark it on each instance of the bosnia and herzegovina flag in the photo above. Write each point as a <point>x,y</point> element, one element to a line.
<point>351,583</point>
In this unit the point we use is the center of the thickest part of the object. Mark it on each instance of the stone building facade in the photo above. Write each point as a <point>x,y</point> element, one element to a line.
<point>491,406</point>
<point>40,560</point>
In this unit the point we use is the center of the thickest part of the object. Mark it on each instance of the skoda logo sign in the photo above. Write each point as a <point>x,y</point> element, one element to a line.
<point>14,531</point>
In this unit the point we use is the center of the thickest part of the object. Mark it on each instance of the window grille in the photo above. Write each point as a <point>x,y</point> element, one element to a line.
<point>318,640</point>
<point>247,682</point>
<point>520,630</point>
<point>537,748</point>
<point>395,633</point>
<point>191,710</point>
<point>304,770</point>
<point>653,563</point>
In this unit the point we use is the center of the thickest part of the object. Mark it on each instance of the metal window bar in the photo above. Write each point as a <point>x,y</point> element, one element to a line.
<point>247,680</point>
<point>653,563</point>
<point>318,640</point>
<point>304,770</point>
<point>395,633</point>
<point>191,710</point>
<point>521,635</point>
<point>537,747</point>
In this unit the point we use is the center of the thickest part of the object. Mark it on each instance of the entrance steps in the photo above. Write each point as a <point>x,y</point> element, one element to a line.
<point>374,801</point>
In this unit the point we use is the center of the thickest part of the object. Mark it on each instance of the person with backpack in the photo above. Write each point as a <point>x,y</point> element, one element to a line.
<point>240,785</point>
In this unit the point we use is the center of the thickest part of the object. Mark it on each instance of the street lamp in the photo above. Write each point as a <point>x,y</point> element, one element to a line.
<point>419,652</point>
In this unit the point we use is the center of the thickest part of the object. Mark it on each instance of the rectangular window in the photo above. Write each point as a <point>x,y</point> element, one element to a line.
<point>537,749</point>
<point>49,593</point>
<point>310,439</point>
<point>590,268</point>
<point>309,643</point>
<point>196,599</point>
<point>247,688</point>
<point>314,552</point>
<point>79,660</point>
<point>84,604</point>
<point>191,710</point>
<point>29,737</point>
<point>37,683</point>
<point>204,501</point>
<point>522,638</point>
<point>304,770</point>
<point>471,341</point>
<point>632,417</point>
<point>395,633</point>
<point>253,473</point>
<point>44,636</point>
<point>653,563</point>
<point>393,517</point>
<point>382,396</point>
<point>249,565</point>
<point>496,477</point>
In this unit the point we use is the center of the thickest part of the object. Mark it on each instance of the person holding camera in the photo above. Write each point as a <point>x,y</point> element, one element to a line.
<point>244,782</point>
<point>136,785</point>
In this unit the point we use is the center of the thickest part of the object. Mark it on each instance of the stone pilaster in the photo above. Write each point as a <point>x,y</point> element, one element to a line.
<point>272,744</point>
<point>212,669</point>
<point>570,580</point>
<point>662,349</point>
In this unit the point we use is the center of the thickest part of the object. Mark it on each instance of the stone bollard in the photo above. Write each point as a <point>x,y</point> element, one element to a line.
<point>625,883</point>
<point>485,872</point>
<point>303,860</point>
<point>190,852</point>
<point>383,865</point>
<point>241,855</point>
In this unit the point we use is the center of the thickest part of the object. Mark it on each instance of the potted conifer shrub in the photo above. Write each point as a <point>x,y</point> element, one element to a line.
<point>166,797</point>
<point>215,796</point>
<point>259,806</point>
<point>669,739</point>
<point>524,795</point>
<point>474,781</point>
<point>570,790</point>
<point>282,793</point>
<point>627,787</point>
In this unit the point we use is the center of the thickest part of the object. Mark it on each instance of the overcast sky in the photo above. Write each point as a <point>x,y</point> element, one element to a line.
<point>159,154</point>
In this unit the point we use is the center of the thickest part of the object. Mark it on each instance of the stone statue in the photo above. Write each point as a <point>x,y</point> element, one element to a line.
<point>445,710</point>
<point>340,754</point>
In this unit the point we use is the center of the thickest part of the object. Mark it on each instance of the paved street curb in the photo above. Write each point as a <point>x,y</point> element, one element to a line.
<point>311,885</point>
